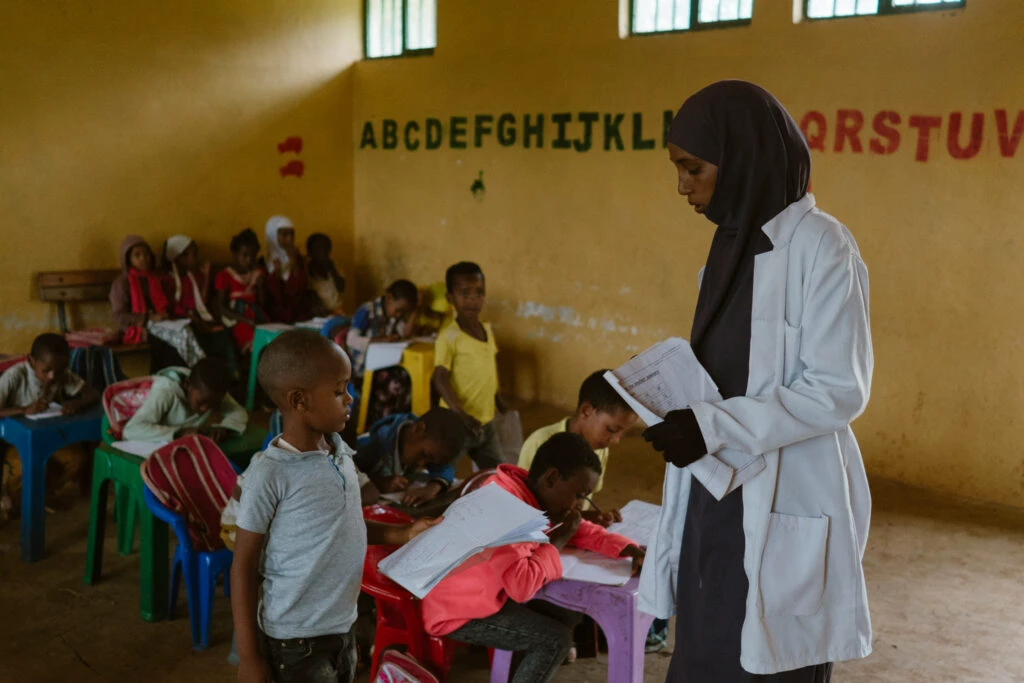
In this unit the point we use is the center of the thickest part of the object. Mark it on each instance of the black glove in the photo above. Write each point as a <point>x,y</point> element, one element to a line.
<point>678,438</point>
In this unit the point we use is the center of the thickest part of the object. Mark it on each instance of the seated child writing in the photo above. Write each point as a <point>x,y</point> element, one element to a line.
<point>326,284</point>
<point>380,320</point>
<point>601,417</point>
<point>400,445</point>
<point>138,302</point>
<point>29,388</point>
<point>300,529</point>
<point>490,603</point>
<point>183,402</point>
<point>465,364</point>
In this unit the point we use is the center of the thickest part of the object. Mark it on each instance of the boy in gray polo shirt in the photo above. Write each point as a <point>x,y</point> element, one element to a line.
<point>300,525</point>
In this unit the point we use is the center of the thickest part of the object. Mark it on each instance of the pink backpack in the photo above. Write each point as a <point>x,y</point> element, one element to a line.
<point>122,400</point>
<point>192,477</point>
<point>400,667</point>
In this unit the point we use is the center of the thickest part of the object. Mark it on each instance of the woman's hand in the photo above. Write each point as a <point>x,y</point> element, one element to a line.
<point>678,438</point>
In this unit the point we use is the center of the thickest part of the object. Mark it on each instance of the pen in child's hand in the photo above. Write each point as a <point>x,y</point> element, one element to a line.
<point>550,529</point>
<point>594,505</point>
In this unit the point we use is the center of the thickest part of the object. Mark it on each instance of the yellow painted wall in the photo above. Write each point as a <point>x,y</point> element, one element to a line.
<point>591,256</point>
<point>163,117</point>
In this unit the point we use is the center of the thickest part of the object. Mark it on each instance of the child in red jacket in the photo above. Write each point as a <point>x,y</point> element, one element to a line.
<point>490,602</point>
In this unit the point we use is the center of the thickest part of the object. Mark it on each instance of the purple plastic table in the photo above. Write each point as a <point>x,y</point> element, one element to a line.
<point>615,610</point>
<point>36,441</point>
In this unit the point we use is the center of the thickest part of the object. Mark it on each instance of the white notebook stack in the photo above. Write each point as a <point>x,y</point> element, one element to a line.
<point>486,518</point>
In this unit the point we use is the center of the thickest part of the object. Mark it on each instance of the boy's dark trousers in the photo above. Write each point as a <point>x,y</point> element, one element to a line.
<point>323,659</point>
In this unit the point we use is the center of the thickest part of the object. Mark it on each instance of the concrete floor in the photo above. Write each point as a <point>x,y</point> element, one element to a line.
<point>944,579</point>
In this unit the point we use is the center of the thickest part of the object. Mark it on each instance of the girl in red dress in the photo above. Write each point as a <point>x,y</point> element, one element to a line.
<point>240,290</point>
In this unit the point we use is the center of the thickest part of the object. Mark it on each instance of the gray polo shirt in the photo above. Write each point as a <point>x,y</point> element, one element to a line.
<point>307,505</point>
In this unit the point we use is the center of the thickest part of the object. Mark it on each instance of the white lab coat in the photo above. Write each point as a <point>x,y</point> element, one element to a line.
<point>806,514</point>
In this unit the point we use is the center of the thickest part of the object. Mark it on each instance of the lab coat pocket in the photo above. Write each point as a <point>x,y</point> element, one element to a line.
<point>793,565</point>
<point>791,364</point>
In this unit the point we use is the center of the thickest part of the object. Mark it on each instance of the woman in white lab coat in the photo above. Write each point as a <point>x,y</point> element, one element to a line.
<point>765,580</point>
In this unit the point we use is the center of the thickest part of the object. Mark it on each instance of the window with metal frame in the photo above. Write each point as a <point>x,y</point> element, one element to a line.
<point>400,27</point>
<point>834,9</point>
<point>665,16</point>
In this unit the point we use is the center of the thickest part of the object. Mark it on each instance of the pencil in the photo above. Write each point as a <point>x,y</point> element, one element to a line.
<point>594,505</point>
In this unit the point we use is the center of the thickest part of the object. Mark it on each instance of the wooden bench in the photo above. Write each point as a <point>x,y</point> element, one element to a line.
<point>80,286</point>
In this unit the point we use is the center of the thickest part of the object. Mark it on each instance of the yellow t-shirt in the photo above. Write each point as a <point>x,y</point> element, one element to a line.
<point>537,439</point>
<point>472,368</point>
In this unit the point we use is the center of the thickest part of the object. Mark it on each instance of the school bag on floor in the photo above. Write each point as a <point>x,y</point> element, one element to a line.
<point>399,667</point>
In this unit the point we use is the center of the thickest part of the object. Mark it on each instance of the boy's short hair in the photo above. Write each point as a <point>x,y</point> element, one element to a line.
<point>460,269</point>
<point>596,391</point>
<point>50,344</point>
<point>291,361</point>
<point>404,290</point>
<point>246,238</point>
<point>566,452</point>
<point>211,374</point>
<point>447,428</point>
<point>318,237</point>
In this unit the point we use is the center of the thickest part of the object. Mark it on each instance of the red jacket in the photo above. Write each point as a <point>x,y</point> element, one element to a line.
<point>480,587</point>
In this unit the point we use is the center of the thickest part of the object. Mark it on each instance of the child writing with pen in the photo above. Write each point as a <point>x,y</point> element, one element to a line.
<point>490,602</point>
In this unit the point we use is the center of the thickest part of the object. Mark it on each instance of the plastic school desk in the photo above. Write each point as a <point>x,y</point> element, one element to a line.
<point>418,360</point>
<point>263,335</point>
<point>615,610</point>
<point>36,441</point>
<point>109,464</point>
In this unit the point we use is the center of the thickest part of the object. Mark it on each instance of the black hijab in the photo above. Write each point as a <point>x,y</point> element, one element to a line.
<point>763,167</point>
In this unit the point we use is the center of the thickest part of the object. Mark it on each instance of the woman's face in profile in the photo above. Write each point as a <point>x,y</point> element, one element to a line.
<point>696,177</point>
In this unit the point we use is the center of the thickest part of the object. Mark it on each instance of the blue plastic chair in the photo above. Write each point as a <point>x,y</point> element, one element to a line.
<point>200,569</point>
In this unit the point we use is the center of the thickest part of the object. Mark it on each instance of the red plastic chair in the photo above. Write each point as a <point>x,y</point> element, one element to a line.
<point>399,615</point>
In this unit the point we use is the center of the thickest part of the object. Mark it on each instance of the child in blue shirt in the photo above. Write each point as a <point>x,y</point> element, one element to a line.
<point>401,445</point>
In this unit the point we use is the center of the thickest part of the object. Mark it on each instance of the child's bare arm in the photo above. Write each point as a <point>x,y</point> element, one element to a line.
<point>87,397</point>
<point>444,387</point>
<point>244,601</point>
<point>378,533</point>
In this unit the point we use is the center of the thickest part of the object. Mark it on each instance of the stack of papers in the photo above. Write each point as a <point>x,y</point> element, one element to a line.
<point>486,518</point>
<point>380,355</point>
<point>53,410</point>
<point>639,521</point>
<point>668,377</point>
<point>583,565</point>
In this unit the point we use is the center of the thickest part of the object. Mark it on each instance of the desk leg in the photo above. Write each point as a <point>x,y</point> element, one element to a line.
<point>626,638</point>
<point>153,567</point>
<point>33,502</point>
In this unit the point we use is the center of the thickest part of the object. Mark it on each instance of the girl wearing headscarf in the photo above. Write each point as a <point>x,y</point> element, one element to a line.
<point>766,580</point>
<point>188,286</point>
<point>286,283</point>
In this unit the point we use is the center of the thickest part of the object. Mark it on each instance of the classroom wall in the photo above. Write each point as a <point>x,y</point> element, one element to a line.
<point>590,255</point>
<point>165,117</point>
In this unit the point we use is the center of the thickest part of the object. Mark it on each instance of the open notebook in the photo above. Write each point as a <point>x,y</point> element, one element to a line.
<point>486,518</point>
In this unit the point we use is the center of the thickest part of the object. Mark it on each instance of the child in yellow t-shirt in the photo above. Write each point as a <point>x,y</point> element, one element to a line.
<point>602,417</point>
<point>465,365</point>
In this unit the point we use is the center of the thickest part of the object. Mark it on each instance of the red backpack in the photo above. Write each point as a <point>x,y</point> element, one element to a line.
<point>192,477</point>
<point>400,667</point>
<point>122,400</point>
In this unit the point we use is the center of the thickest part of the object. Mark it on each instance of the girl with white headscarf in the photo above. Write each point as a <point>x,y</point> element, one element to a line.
<point>286,284</point>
